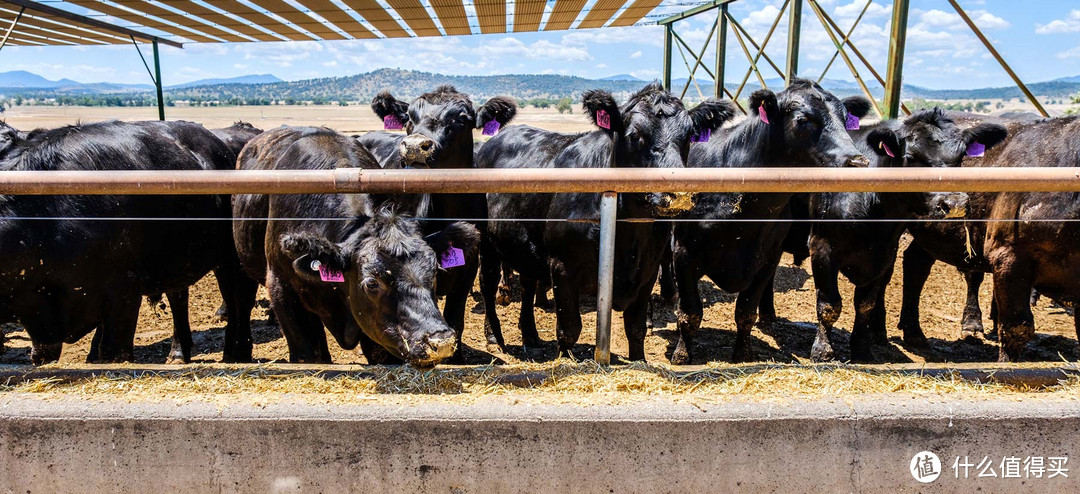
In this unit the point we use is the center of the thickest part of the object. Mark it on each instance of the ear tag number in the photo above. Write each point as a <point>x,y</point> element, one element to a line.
<point>976,149</point>
<point>603,120</point>
<point>331,275</point>
<point>762,114</point>
<point>702,136</point>
<point>391,122</point>
<point>852,123</point>
<point>452,258</point>
<point>491,128</point>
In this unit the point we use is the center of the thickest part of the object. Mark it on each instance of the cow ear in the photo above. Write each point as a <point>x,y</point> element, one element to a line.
<point>987,134</point>
<point>886,143</point>
<point>711,115</point>
<point>857,106</point>
<point>385,104</point>
<point>764,99</point>
<point>459,234</point>
<point>600,106</point>
<point>309,253</point>
<point>501,109</point>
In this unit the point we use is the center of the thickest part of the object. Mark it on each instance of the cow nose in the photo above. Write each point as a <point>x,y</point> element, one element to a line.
<point>441,345</point>
<point>858,161</point>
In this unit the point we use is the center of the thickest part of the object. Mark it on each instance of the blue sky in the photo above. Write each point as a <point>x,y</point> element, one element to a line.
<point>1040,38</point>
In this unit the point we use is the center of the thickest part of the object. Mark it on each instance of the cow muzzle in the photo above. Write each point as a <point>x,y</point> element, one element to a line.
<point>949,205</point>
<point>417,151</point>
<point>670,204</point>
<point>433,348</point>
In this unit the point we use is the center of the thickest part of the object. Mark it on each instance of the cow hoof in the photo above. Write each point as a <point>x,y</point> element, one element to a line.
<point>503,297</point>
<point>916,340</point>
<point>821,352</point>
<point>176,360</point>
<point>680,357</point>
<point>740,356</point>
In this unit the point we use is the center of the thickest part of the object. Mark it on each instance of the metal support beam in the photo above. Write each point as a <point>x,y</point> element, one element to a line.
<point>794,30</point>
<point>158,83</point>
<point>668,31</point>
<point>894,77</point>
<point>11,28</point>
<point>847,60</point>
<point>605,277</point>
<point>997,56</point>
<point>694,11</point>
<point>105,26</point>
<point>721,52</point>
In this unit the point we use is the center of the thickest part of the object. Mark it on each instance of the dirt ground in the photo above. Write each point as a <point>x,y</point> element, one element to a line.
<point>788,340</point>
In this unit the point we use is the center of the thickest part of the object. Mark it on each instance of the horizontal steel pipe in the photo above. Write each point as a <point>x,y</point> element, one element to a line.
<point>347,180</point>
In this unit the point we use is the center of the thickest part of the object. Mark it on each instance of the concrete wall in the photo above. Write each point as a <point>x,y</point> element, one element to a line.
<point>865,446</point>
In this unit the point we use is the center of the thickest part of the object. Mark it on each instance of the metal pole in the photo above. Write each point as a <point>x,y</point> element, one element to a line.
<point>157,82</point>
<point>721,52</point>
<point>794,28</point>
<point>997,56</point>
<point>11,28</point>
<point>894,77</point>
<point>667,57</point>
<point>605,277</point>
<point>847,60</point>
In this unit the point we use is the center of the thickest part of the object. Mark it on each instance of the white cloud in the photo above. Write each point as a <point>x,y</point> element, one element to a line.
<point>1070,24</point>
<point>636,54</point>
<point>949,20</point>
<point>1067,54</point>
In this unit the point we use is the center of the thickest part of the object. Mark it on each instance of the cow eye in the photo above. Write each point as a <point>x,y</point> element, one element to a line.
<point>371,285</point>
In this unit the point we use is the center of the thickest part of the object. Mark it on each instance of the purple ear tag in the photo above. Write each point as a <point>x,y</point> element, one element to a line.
<point>703,136</point>
<point>976,149</point>
<point>852,123</point>
<point>331,275</point>
<point>491,128</point>
<point>887,150</point>
<point>762,114</point>
<point>452,258</point>
<point>391,122</point>
<point>603,120</point>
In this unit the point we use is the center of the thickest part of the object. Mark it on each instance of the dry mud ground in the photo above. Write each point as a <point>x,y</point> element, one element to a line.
<point>788,340</point>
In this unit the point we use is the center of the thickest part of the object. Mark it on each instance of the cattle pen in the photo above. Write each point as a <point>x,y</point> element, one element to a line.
<point>595,424</point>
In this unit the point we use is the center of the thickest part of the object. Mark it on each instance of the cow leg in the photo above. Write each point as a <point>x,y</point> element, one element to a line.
<point>489,286</point>
<point>239,292</point>
<point>456,300</point>
<point>668,290</point>
<point>767,307</point>
<point>301,328</point>
<point>222,312</point>
<point>993,333</point>
<point>94,355</point>
<point>746,313</point>
<point>41,353</point>
<point>635,324</point>
<point>504,295</point>
<point>180,350</point>
<point>690,310</point>
<point>829,303</point>
<point>567,309</point>
<point>530,339</point>
<point>972,322</point>
<point>875,320</point>
<point>1014,278</point>
<point>917,265</point>
<point>117,342</point>
<point>542,300</point>
<point>862,337</point>
<point>1076,325</point>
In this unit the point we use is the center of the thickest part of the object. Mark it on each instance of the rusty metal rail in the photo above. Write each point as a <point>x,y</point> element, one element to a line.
<point>348,180</point>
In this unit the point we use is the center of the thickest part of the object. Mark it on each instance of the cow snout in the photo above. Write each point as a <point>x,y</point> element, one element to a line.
<point>434,348</point>
<point>670,204</point>
<point>858,161</point>
<point>417,151</point>
<point>953,205</point>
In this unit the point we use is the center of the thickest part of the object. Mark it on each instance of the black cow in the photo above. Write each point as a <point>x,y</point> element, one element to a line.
<point>803,125</point>
<point>652,129</point>
<point>865,251</point>
<point>439,127</point>
<point>367,274</point>
<point>65,277</point>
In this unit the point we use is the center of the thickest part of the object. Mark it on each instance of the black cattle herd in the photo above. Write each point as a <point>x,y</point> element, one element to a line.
<point>370,268</point>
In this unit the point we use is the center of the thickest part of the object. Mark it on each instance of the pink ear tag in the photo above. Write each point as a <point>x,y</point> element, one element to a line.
<point>391,122</point>
<point>976,149</point>
<point>703,136</point>
<point>491,128</point>
<point>887,150</point>
<point>762,114</point>
<point>852,123</point>
<point>452,258</point>
<point>603,120</point>
<point>331,275</point>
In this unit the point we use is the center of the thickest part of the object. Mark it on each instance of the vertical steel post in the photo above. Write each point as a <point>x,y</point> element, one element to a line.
<point>721,52</point>
<point>667,57</point>
<point>605,277</point>
<point>157,81</point>
<point>894,77</point>
<point>794,30</point>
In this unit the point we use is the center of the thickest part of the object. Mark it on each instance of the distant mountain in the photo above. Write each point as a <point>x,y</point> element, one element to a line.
<point>22,78</point>
<point>244,79</point>
<point>1075,78</point>
<point>621,77</point>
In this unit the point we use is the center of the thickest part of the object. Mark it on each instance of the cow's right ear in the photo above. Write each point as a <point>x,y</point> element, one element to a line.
<point>501,109</point>
<point>763,105</point>
<point>711,114</point>
<point>459,234</point>
<point>385,104</point>
<point>601,107</point>
<point>314,258</point>
<point>885,142</point>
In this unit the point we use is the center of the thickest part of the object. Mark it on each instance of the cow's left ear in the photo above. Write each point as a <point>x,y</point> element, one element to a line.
<point>459,234</point>
<point>601,108</point>
<point>385,104</point>
<point>711,115</point>
<point>501,109</point>
<point>885,142</point>
<point>987,134</point>
<point>857,106</point>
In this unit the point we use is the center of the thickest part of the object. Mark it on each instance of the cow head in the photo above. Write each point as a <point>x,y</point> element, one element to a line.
<point>440,125</point>
<point>653,130</point>
<point>9,138</point>
<point>387,271</point>
<point>807,125</point>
